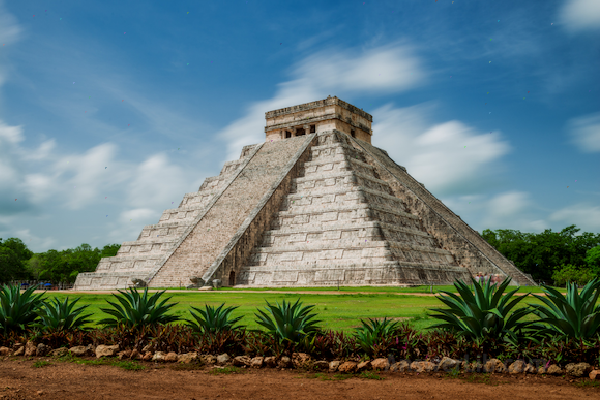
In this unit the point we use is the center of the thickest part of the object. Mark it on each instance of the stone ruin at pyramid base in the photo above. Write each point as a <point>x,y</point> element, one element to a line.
<point>314,205</point>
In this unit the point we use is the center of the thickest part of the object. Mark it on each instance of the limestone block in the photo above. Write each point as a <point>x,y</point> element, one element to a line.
<point>329,216</point>
<point>284,276</point>
<point>332,235</point>
<point>331,254</point>
<point>291,256</point>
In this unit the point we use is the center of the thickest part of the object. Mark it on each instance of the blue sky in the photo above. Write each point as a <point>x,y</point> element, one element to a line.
<point>111,111</point>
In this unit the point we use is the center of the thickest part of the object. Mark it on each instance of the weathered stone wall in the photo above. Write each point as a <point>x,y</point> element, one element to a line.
<point>271,115</point>
<point>468,247</point>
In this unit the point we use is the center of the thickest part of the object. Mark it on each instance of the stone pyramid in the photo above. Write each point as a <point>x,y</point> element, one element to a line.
<point>314,205</point>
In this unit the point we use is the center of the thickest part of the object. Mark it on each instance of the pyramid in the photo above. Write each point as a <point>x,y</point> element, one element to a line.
<point>314,205</point>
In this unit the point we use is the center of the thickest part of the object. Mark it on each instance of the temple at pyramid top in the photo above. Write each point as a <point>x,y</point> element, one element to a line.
<point>319,116</point>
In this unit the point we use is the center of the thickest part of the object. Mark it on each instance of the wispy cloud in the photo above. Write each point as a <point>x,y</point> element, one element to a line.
<point>585,132</point>
<point>447,157</point>
<point>585,216</point>
<point>580,15</point>
<point>10,33</point>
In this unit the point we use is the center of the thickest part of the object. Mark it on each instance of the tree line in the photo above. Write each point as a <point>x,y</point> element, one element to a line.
<point>550,257</point>
<point>17,262</point>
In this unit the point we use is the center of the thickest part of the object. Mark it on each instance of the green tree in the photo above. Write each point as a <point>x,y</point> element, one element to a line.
<point>593,259</point>
<point>571,273</point>
<point>13,259</point>
<point>539,254</point>
<point>20,248</point>
<point>110,250</point>
<point>64,266</point>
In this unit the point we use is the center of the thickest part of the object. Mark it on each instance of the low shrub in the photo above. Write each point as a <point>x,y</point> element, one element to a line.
<point>213,320</point>
<point>575,315</point>
<point>18,310</point>
<point>288,321</point>
<point>138,310</point>
<point>61,316</point>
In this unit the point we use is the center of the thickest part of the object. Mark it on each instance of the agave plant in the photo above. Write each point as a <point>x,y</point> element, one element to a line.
<point>575,315</point>
<point>373,331</point>
<point>18,310</point>
<point>288,321</point>
<point>138,310</point>
<point>61,316</point>
<point>486,313</point>
<point>213,320</point>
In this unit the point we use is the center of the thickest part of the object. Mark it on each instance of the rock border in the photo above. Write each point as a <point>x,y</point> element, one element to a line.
<point>304,362</point>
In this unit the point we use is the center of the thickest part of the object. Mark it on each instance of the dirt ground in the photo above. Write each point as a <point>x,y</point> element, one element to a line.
<point>19,379</point>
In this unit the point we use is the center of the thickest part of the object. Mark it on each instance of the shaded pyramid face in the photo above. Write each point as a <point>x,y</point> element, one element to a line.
<point>320,209</point>
<point>341,223</point>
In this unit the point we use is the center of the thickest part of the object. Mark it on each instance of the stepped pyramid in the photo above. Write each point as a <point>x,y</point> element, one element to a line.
<point>315,204</point>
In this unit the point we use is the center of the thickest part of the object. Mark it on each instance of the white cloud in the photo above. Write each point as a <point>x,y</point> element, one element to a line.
<point>441,155</point>
<point>47,179</point>
<point>585,216</point>
<point>509,210</point>
<point>10,134</point>
<point>391,68</point>
<point>128,228</point>
<point>578,15</point>
<point>42,152</point>
<point>585,132</point>
<point>508,204</point>
<point>34,241</point>
<point>380,70</point>
<point>156,182</point>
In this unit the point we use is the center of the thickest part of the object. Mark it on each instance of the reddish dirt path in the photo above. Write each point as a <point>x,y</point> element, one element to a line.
<point>19,380</point>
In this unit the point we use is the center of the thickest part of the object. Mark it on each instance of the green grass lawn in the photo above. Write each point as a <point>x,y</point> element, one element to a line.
<point>338,312</point>
<point>366,289</point>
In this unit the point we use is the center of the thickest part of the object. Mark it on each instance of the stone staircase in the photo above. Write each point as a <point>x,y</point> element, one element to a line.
<point>341,224</point>
<point>202,246</point>
<point>137,259</point>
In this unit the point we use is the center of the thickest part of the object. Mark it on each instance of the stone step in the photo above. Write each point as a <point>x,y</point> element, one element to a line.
<point>182,213</point>
<point>105,281</point>
<point>332,211</point>
<point>337,273</point>
<point>131,257</point>
<point>157,240</point>
<point>347,248</point>
<point>350,215</point>
<point>353,195</point>
<point>328,264</point>
<point>333,150</point>
<point>399,233</point>
<point>325,236</point>
<point>340,179</point>
<point>167,233</point>
<point>320,252</point>
<point>324,166</point>
<point>142,248</point>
